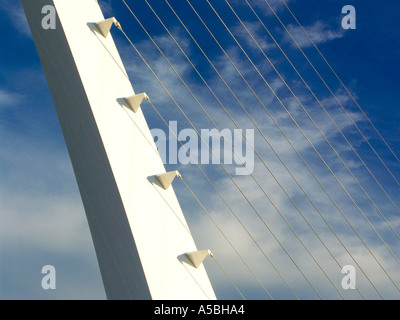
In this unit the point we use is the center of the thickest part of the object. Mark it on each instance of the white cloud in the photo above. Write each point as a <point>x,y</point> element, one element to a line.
<point>319,32</point>
<point>215,242</point>
<point>266,5</point>
<point>41,220</point>
<point>256,31</point>
<point>8,99</point>
<point>254,258</point>
<point>16,15</point>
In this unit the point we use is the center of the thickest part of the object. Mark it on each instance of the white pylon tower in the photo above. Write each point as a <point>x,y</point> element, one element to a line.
<point>142,241</point>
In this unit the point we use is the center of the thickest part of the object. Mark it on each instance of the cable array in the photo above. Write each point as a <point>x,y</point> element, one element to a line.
<point>276,178</point>
<point>340,81</point>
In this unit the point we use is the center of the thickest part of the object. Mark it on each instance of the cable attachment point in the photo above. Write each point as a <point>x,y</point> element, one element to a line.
<point>197,257</point>
<point>118,25</point>
<point>165,179</point>
<point>134,101</point>
<point>103,27</point>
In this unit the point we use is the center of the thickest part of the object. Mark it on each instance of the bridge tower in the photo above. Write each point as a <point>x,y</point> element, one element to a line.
<point>143,244</point>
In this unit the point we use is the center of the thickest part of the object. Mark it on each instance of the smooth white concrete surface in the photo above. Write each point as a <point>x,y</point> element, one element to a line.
<point>138,228</point>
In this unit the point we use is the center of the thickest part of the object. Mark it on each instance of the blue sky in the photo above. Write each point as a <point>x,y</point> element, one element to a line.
<point>42,220</point>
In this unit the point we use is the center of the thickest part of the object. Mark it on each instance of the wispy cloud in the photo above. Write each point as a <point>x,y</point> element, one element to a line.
<point>264,5</point>
<point>319,32</point>
<point>16,15</point>
<point>213,240</point>
<point>43,222</point>
<point>257,31</point>
<point>42,212</point>
<point>8,99</point>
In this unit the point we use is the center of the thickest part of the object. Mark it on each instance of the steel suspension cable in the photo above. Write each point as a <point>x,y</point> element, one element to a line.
<point>258,184</point>
<point>194,129</point>
<point>248,201</point>
<point>263,192</point>
<point>309,169</point>
<point>326,112</point>
<point>319,155</point>
<point>292,146</point>
<point>317,127</point>
<point>343,85</point>
<point>252,120</point>
<point>173,211</point>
